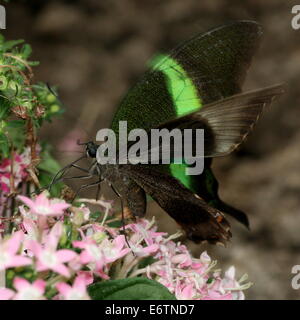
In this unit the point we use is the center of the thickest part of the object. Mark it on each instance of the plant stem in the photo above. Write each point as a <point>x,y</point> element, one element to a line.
<point>2,275</point>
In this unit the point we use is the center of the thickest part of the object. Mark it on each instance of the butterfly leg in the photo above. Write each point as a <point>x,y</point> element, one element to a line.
<point>122,210</point>
<point>59,175</point>
<point>98,191</point>
<point>76,177</point>
<point>57,179</point>
<point>61,179</point>
<point>63,170</point>
<point>85,186</point>
<point>80,168</point>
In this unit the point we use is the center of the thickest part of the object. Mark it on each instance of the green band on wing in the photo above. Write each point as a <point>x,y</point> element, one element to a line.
<point>185,99</point>
<point>180,86</point>
<point>178,171</point>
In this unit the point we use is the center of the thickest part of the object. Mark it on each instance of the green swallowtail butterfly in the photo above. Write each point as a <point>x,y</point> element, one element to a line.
<point>197,85</point>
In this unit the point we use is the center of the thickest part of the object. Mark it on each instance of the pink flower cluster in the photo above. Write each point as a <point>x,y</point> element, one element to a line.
<point>14,170</point>
<point>67,251</point>
<point>186,277</point>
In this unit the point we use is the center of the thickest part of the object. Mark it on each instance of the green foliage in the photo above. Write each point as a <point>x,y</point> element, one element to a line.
<point>115,224</point>
<point>138,288</point>
<point>146,262</point>
<point>24,106</point>
<point>48,167</point>
<point>48,163</point>
<point>4,145</point>
<point>96,216</point>
<point>21,101</point>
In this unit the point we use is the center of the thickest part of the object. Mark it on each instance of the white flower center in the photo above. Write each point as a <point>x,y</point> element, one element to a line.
<point>4,259</point>
<point>5,180</point>
<point>95,252</point>
<point>75,295</point>
<point>48,258</point>
<point>29,293</point>
<point>43,210</point>
<point>109,251</point>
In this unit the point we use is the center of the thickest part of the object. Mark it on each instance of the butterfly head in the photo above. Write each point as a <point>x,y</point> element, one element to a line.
<point>90,148</point>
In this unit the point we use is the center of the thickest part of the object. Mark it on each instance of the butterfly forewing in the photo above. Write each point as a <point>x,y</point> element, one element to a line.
<point>214,63</point>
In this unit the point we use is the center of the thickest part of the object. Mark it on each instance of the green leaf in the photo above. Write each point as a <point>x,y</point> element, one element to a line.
<point>45,180</point>
<point>4,108</point>
<point>10,44</point>
<point>210,280</point>
<point>138,288</point>
<point>146,261</point>
<point>48,164</point>
<point>26,51</point>
<point>16,135</point>
<point>15,123</point>
<point>4,145</point>
<point>96,215</point>
<point>115,224</point>
<point>34,63</point>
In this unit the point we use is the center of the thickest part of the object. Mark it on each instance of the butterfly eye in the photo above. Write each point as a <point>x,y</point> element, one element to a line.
<point>91,149</point>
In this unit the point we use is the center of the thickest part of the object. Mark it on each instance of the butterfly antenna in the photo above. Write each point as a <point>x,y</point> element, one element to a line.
<point>69,151</point>
<point>81,143</point>
<point>51,90</point>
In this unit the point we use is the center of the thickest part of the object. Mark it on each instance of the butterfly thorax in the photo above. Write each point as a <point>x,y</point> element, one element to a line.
<point>107,172</point>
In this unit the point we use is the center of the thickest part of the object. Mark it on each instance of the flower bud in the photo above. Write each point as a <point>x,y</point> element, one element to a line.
<point>51,98</point>
<point>99,236</point>
<point>54,108</point>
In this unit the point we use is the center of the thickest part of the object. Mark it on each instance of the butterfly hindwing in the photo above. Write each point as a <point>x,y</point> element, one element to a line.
<point>226,123</point>
<point>199,220</point>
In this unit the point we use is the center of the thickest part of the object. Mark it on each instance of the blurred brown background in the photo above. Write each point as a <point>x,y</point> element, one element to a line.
<point>95,50</point>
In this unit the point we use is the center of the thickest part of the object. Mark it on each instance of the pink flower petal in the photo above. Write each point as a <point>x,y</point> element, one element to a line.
<point>61,269</point>
<point>87,276</point>
<point>34,246</point>
<point>65,255</point>
<point>20,283</point>
<point>14,242</point>
<point>85,257</point>
<point>63,288</point>
<point>18,261</point>
<point>120,241</point>
<point>52,242</point>
<point>29,203</point>
<point>6,294</point>
<point>80,284</point>
<point>60,207</point>
<point>42,200</point>
<point>79,244</point>
<point>187,292</point>
<point>40,285</point>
